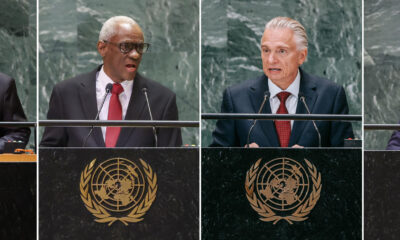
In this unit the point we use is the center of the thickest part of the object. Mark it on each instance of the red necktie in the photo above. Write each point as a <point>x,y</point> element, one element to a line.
<point>114,113</point>
<point>283,127</point>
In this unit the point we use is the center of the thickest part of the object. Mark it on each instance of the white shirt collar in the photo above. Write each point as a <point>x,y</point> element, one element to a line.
<point>103,80</point>
<point>293,88</point>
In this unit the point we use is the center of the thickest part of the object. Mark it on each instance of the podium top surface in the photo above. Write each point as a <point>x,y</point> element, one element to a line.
<point>8,157</point>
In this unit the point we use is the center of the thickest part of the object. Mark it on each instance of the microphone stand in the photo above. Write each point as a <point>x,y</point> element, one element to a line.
<point>266,94</point>
<point>108,90</point>
<point>144,90</point>
<point>302,98</point>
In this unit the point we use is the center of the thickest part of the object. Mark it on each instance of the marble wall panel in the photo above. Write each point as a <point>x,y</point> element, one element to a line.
<point>231,33</point>
<point>381,68</point>
<point>18,51</point>
<point>69,33</point>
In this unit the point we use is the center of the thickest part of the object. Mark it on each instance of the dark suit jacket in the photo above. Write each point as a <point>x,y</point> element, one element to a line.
<point>76,99</point>
<point>394,141</point>
<point>322,97</point>
<point>11,111</point>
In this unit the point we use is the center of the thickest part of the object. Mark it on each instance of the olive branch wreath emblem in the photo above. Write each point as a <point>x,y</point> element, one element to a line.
<point>101,214</point>
<point>266,213</point>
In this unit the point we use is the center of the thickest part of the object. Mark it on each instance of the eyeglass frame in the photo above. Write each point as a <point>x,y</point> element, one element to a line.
<point>119,45</point>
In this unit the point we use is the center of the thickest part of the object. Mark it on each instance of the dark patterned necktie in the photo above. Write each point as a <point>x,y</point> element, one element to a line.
<point>283,127</point>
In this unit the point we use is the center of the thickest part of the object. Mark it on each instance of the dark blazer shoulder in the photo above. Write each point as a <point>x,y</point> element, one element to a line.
<point>82,79</point>
<point>314,81</point>
<point>5,83</point>
<point>5,79</point>
<point>252,83</point>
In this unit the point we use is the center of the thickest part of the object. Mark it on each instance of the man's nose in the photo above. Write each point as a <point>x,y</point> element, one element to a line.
<point>134,54</point>
<point>272,57</point>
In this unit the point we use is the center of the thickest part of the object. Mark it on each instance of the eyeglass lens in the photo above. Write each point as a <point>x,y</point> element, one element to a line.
<point>128,46</point>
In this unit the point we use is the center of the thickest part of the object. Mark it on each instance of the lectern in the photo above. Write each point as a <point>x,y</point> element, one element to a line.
<point>281,193</point>
<point>381,194</point>
<point>120,193</point>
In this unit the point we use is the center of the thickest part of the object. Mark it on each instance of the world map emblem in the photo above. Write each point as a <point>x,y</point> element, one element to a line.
<point>118,189</point>
<point>283,189</point>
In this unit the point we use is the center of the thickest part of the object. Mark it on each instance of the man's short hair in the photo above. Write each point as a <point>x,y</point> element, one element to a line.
<point>109,27</point>
<point>298,29</point>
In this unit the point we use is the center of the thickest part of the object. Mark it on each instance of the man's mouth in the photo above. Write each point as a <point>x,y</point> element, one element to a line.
<point>274,69</point>
<point>131,67</point>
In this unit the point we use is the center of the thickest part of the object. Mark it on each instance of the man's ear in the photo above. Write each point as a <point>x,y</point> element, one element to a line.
<point>102,48</point>
<point>302,56</point>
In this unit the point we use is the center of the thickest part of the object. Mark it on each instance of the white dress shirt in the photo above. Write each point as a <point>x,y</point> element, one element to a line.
<point>291,101</point>
<point>101,82</point>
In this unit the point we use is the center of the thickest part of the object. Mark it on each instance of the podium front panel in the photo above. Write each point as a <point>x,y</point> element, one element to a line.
<point>281,193</point>
<point>17,199</point>
<point>119,193</point>
<point>381,195</point>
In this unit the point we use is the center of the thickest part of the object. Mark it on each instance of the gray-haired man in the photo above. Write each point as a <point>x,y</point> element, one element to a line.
<point>284,88</point>
<point>121,45</point>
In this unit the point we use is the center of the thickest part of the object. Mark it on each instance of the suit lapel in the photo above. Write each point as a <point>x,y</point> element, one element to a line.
<point>308,89</point>
<point>135,109</point>
<point>256,95</point>
<point>88,100</point>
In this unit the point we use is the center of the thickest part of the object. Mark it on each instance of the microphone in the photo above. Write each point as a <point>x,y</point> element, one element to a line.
<point>144,90</point>
<point>108,90</point>
<point>303,99</point>
<point>266,95</point>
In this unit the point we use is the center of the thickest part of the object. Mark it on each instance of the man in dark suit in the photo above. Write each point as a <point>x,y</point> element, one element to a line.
<point>394,141</point>
<point>11,111</point>
<point>121,45</point>
<point>282,89</point>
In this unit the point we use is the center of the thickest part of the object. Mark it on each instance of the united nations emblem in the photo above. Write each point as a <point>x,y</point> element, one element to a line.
<point>283,189</point>
<point>118,190</point>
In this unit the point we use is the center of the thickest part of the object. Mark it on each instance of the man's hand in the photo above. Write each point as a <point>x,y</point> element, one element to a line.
<point>297,146</point>
<point>252,145</point>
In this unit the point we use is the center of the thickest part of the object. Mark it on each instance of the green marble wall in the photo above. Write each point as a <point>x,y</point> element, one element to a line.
<point>18,51</point>
<point>381,68</point>
<point>231,33</point>
<point>69,32</point>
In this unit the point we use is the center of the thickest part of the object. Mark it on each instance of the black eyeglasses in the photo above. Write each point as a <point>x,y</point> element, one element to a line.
<point>127,47</point>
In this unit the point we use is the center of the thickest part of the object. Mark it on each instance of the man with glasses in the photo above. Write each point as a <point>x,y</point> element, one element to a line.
<point>113,91</point>
<point>11,111</point>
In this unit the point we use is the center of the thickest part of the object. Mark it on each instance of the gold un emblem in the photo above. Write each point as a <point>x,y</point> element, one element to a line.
<point>283,189</point>
<point>118,190</point>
